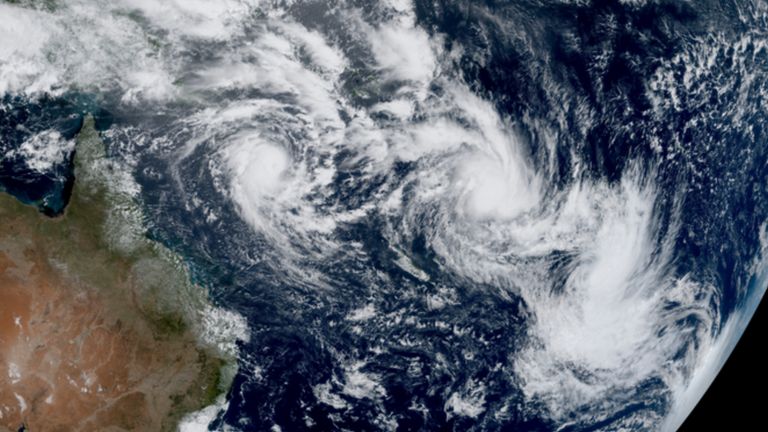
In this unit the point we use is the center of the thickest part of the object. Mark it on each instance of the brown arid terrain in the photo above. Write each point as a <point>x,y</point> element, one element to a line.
<point>96,321</point>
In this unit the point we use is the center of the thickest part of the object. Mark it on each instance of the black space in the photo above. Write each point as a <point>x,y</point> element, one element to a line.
<point>737,397</point>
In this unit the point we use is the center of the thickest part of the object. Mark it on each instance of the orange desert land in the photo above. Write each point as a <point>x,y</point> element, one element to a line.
<point>91,335</point>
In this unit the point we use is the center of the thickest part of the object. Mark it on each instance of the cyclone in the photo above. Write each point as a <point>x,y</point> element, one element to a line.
<point>427,215</point>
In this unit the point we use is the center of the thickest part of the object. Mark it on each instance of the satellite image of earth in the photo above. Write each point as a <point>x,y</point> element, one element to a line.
<point>377,215</point>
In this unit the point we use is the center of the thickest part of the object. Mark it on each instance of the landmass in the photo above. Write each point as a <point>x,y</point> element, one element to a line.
<point>97,321</point>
